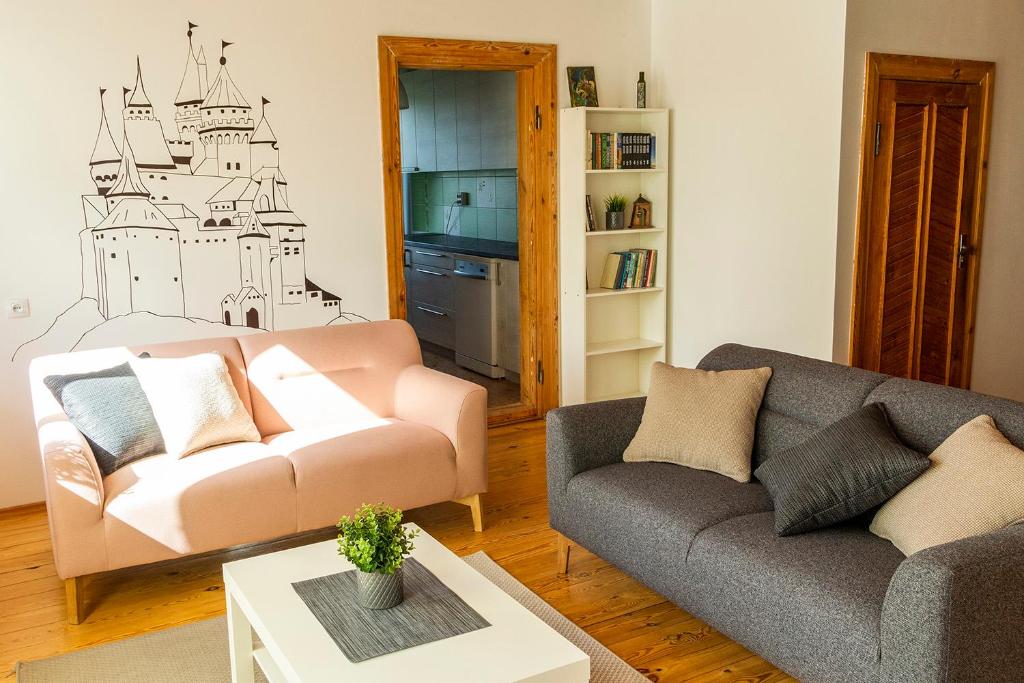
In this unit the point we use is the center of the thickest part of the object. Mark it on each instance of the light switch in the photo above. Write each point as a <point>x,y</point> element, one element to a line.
<point>485,193</point>
<point>17,308</point>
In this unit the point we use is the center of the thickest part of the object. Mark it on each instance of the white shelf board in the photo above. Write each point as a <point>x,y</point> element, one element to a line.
<point>625,231</point>
<point>598,293</point>
<point>624,170</point>
<point>621,345</point>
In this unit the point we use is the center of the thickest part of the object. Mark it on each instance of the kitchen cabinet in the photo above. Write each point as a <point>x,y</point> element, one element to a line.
<point>459,120</point>
<point>508,317</point>
<point>498,120</point>
<point>444,121</point>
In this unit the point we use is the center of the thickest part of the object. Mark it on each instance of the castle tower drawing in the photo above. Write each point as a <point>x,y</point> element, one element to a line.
<point>226,125</point>
<point>197,224</point>
<point>106,158</point>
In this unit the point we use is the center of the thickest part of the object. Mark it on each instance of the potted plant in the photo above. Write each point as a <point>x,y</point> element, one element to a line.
<point>375,541</point>
<point>615,212</point>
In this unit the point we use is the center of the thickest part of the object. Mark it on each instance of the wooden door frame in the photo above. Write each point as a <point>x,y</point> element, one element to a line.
<point>536,99</point>
<point>879,66</point>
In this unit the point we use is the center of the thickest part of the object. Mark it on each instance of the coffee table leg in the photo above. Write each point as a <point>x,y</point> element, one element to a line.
<point>239,643</point>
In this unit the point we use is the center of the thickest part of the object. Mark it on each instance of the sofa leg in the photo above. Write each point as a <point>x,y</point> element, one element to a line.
<point>73,593</point>
<point>564,546</point>
<point>474,506</point>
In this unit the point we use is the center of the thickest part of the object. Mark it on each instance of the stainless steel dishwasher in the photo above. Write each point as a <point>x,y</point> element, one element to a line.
<point>476,325</point>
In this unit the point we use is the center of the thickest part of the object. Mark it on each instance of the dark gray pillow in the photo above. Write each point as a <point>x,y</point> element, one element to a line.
<point>112,412</point>
<point>843,470</point>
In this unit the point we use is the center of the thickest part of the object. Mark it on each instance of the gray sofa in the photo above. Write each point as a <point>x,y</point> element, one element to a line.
<point>838,604</point>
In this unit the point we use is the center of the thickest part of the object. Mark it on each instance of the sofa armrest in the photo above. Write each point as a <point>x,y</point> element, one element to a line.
<point>457,409</point>
<point>74,488</point>
<point>584,437</point>
<point>953,612</point>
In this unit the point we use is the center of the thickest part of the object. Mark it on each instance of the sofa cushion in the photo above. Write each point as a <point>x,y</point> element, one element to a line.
<point>802,396</point>
<point>851,466</point>
<point>643,516</point>
<point>810,603</point>
<point>319,377</point>
<point>701,419</point>
<point>163,506</point>
<point>924,414</point>
<point>338,468</point>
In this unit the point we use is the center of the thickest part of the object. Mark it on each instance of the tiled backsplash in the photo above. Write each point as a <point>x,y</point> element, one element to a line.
<point>492,210</point>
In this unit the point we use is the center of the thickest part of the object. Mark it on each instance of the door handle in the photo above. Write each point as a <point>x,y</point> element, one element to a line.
<point>430,272</point>
<point>439,314</point>
<point>964,250</point>
<point>430,253</point>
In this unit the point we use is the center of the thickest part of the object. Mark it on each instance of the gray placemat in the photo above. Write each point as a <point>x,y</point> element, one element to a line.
<point>431,611</point>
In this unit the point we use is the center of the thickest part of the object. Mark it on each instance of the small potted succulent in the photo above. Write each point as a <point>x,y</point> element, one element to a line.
<point>614,212</point>
<point>375,541</point>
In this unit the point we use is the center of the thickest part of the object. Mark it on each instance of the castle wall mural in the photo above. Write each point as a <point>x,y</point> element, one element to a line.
<point>193,225</point>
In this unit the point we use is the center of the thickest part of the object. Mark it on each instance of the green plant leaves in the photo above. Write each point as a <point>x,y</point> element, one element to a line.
<point>374,539</point>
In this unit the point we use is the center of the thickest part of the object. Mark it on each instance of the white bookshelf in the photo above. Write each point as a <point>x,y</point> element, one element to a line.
<point>609,337</point>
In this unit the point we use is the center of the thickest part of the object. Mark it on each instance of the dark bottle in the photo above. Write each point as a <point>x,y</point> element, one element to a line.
<point>641,93</point>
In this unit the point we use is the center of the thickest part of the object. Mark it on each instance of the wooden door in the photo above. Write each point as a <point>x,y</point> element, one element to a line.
<point>917,256</point>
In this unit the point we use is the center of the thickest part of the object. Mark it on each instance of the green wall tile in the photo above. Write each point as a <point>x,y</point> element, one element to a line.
<point>468,184</point>
<point>419,217</point>
<point>434,193</point>
<point>450,186</point>
<point>507,225</point>
<point>487,223</point>
<point>505,195</point>
<point>467,221</point>
<point>435,218</point>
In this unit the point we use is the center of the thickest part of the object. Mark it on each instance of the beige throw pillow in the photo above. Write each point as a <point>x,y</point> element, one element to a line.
<point>194,402</point>
<point>975,485</point>
<point>701,419</point>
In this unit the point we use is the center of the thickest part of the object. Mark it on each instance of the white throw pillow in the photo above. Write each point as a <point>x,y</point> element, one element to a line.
<point>975,485</point>
<point>194,402</point>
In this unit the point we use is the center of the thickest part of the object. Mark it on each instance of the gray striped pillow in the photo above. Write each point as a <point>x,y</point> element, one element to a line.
<point>847,468</point>
<point>112,412</point>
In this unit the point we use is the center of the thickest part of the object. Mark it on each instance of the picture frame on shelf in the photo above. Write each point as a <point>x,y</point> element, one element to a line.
<point>641,215</point>
<point>582,86</point>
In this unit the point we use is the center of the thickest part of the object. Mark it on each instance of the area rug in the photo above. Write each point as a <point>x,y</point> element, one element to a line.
<point>198,651</point>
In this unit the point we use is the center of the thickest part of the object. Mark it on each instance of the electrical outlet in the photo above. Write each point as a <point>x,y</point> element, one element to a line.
<point>485,193</point>
<point>17,308</point>
<point>461,199</point>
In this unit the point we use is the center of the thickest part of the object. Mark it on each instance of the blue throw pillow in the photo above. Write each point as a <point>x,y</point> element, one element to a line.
<point>110,409</point>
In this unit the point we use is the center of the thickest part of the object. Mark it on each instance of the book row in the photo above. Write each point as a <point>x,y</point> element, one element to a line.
<point>631,269</point>
<point>608,151</point>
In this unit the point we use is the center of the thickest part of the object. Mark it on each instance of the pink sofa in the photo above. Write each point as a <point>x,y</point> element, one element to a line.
<point>348,415</point>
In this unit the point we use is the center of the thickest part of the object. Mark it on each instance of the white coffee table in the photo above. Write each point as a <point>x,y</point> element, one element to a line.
<point>517,646</point>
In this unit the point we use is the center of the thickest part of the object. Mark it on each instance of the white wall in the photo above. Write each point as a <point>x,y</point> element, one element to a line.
<point>990,30</point>
<point>756,94</point>
<point>316,61</point>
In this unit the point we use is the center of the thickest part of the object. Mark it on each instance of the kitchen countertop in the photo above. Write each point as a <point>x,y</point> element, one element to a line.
<point>471,246</point>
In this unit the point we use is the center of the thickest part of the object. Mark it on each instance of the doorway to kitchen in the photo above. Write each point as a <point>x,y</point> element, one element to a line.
<point>469,163</point>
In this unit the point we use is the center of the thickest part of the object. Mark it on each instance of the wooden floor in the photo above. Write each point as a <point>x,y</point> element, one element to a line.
<point>657,638</point>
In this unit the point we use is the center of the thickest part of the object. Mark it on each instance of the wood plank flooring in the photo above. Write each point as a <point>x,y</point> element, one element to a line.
<point>657,638</point>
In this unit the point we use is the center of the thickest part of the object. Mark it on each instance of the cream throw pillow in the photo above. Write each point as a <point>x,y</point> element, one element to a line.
<point>194,402</point>
<point>701,419</point>
<point>975,485</point>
